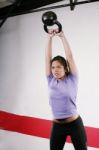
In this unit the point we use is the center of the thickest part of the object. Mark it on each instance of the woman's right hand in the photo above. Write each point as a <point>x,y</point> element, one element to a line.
<point>51,33</point>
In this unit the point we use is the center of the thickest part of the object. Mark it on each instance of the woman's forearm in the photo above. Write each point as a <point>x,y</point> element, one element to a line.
<point>48,51</point>
<point>48,54</point>
<point>68,53</point>
<point>66,46</point>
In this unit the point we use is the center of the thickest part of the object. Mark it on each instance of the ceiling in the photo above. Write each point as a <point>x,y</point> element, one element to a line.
<point>17,7</point>
<point>10,8</point>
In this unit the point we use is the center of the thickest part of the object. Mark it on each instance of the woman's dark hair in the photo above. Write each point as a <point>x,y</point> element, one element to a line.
<point>63,62</point>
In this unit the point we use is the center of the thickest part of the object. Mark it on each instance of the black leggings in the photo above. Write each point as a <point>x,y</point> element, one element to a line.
<point>74,129</point>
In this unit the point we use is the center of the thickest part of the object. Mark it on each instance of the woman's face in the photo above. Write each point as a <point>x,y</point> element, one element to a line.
<point>58,70</point>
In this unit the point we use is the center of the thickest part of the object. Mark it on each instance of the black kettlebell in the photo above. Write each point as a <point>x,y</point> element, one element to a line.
<point>49,18</point>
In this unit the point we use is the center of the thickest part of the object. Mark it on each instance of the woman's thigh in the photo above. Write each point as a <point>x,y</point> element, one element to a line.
<point>58,137</point>
<point>78,135</point>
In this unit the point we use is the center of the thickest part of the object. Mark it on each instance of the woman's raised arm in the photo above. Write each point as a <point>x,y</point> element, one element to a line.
<point>48,52</point>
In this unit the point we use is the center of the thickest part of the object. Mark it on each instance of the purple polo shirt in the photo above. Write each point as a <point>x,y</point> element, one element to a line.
<point>62,95</point>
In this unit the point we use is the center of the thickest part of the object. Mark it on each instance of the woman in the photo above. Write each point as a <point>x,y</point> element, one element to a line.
<point>62,83</point>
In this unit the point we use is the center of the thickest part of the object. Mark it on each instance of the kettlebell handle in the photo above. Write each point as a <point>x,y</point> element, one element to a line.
<point>57,23</point>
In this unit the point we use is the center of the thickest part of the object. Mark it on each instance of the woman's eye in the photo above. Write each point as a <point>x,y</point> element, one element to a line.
<point>59,67</point>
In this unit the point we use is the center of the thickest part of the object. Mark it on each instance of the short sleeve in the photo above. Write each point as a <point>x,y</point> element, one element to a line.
<point>74,77</point>
<point>49,78</point>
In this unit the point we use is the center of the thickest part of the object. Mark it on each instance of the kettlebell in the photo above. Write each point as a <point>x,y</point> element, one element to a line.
<point>49,18</point>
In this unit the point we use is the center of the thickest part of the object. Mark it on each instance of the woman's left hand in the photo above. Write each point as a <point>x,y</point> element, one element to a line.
<point>57,33</point>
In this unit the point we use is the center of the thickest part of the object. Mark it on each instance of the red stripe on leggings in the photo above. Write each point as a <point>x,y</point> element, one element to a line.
<point>39,127</point>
